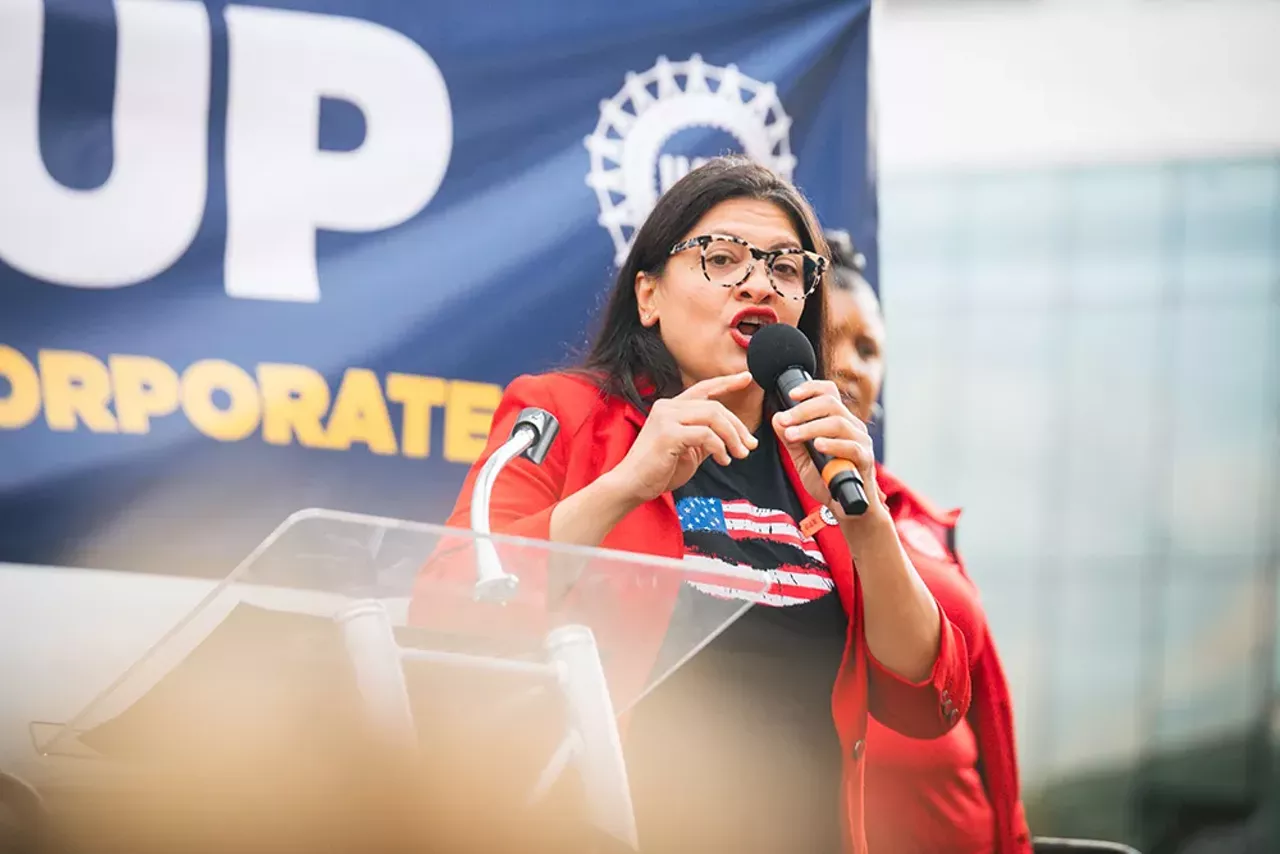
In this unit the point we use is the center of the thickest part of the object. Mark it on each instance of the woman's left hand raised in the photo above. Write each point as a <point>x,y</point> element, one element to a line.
<point>820,416</point>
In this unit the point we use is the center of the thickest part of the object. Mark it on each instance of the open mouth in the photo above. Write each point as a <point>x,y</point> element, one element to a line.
<point>748,323</point>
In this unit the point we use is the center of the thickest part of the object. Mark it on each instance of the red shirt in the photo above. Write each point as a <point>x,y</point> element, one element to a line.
<point>934,796</point>
<point>596,431</point>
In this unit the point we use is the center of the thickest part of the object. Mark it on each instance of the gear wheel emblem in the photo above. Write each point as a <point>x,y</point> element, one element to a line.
<point>628,169</point>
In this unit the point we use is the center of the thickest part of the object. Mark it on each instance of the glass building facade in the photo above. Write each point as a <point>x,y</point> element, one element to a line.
<point>1087,360</point>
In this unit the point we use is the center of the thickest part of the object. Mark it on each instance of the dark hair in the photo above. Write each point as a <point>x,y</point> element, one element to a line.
<point>628,359</point>
<point>847,264</point>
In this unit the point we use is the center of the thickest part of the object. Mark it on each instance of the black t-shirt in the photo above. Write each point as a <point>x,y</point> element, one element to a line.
<point>737,751</point>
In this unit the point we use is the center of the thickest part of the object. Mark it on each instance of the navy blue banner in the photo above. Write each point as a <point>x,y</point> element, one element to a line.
<point>259,258</point>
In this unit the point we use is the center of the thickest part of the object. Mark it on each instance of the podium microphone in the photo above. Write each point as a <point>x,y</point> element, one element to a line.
<point>781,358</point>
<point>531,437</point>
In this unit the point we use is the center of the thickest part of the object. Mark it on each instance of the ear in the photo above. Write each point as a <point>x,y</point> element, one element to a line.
<point>647,298</point>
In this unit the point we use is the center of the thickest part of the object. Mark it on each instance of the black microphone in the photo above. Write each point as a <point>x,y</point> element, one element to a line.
<point>780,358</point>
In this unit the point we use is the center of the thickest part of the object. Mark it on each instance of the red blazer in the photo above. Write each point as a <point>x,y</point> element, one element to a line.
<point>991,714</point>
<point>596,432</point>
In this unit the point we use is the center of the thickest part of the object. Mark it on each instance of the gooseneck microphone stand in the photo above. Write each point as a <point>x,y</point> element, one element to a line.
<point>531,438</point>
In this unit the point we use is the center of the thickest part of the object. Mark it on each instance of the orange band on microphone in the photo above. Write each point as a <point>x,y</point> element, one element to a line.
<point>834,467</point>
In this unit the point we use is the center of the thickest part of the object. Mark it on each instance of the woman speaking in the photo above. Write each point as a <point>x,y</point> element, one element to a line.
<point>757,745</point>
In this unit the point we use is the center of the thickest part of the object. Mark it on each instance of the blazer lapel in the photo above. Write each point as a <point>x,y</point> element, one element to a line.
<point>830,538</point>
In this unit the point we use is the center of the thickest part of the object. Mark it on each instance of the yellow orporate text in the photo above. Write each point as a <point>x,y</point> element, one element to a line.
<point>282,404</point>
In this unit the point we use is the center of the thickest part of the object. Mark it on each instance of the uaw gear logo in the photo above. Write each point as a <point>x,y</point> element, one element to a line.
<point>629,168</point>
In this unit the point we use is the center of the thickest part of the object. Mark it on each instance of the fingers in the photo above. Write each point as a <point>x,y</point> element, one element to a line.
<point>821,416</point>
<point>828,427</point>
<point>819,413</point>
<point>715,415</point>
<point>712,388</point>
<point>814,388</point>
<point>816,398</point>
<point>860,453</point>
<point>705,440</point>
<point>734,435</point>
<point>819,407</point>
<point>732,432</point>
<point>698,404</point>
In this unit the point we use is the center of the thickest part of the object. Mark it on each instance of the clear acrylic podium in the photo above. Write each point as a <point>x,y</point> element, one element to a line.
<point>349,645</point>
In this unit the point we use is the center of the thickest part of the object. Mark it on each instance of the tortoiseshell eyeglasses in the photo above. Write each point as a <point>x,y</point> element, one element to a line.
<point>728,261</point>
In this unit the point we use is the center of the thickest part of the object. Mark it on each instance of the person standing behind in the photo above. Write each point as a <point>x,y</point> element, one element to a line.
<point>958,793</point>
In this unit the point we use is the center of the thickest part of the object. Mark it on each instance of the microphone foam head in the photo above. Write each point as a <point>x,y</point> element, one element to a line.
<point>774,349</point>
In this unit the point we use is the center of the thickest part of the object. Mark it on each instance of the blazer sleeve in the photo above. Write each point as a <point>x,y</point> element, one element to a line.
<point>931,707</point>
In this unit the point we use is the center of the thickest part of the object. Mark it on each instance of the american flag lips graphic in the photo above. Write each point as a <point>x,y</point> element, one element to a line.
<point>714,531</point>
